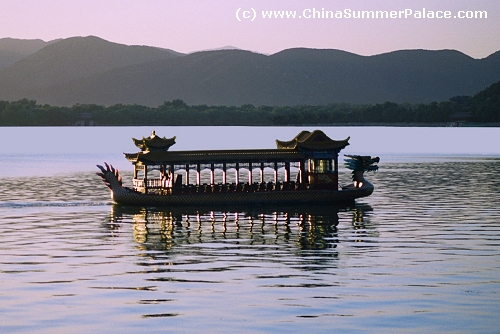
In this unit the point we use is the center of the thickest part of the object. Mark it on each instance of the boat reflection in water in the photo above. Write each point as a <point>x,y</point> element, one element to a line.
<point>307,227</point>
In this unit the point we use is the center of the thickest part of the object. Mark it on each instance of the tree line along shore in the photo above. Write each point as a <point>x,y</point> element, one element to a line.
<point>480,109</point>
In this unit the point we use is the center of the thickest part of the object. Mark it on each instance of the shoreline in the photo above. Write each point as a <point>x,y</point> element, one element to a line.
<point>373,124</point>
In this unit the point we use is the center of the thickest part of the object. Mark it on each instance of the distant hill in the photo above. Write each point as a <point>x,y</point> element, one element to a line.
<point>486,104</point>
<point>92,70</point>
<point>12,50</point>
<point>70,59</point>
<point>227,47</point>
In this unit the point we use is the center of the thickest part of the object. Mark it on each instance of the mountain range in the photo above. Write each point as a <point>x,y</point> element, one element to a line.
<point>91,70</point>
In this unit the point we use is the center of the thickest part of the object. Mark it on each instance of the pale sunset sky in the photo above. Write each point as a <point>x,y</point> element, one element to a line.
<point>192,25</point>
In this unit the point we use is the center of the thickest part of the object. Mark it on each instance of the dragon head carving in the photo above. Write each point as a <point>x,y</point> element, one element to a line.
<point>360,164</point>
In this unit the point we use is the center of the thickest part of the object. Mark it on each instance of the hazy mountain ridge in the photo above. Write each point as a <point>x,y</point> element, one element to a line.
<point>13,50</point>
<point>70,59</point>
<point>92,70</point>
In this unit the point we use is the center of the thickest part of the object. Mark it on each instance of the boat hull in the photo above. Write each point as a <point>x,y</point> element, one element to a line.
<point>130,197</point>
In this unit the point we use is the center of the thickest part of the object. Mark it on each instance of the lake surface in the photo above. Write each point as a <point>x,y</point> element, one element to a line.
<point>422,254</point>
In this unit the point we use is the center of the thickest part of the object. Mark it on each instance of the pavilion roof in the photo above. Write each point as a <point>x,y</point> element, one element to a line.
<point>154,143</point>
<point>310,141</point>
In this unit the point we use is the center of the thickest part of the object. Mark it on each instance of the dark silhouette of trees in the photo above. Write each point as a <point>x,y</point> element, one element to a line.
<point>484,107</point>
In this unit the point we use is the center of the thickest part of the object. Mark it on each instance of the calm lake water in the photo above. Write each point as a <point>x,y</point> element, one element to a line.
<point>422,254</point>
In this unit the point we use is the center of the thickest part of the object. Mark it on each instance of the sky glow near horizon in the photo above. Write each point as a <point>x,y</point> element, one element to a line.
<point>191,25</point>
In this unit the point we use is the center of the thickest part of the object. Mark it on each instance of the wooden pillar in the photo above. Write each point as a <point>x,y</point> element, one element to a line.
<point>212,174</point>
<point>145,179</point>
<point>287,171</point>
<point>187,174</point>
<point>275,172</point>
<point>172,175</point>
<point>261,172</point>
<point>336,169</point>
<point>249,173</point>
<point>302,171</point>
<point>198,174</point>
<point>237,174</point>
<point>224,177</point>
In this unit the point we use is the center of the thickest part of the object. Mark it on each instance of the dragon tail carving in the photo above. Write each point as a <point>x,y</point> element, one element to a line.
<point>110,176</point>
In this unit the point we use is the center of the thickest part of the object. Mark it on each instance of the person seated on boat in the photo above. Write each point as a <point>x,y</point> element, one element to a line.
<point>165,180</point>
<point>178,181</point>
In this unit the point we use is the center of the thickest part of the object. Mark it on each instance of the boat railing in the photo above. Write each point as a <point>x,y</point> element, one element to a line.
<point>150,183</point>
<point>157,186</point>
<point>136,183</point>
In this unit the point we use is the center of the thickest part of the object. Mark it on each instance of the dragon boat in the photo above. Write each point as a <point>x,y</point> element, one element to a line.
<point>303,170</point>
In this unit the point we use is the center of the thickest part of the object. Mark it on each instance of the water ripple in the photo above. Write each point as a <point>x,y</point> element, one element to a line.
<point>420,254</point>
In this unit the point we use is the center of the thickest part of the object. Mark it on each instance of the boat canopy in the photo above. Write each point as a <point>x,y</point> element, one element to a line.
<point>214,156</point>
<point>306,145</point>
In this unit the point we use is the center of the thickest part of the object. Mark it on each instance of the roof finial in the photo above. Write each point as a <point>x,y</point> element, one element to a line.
<point>153,134</point>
